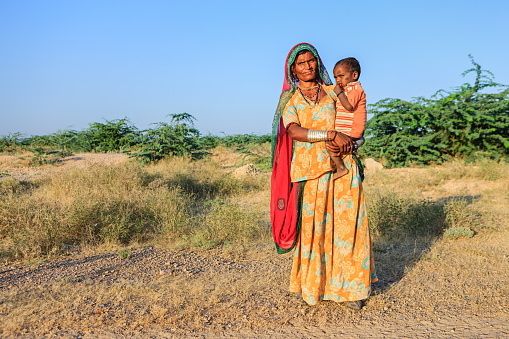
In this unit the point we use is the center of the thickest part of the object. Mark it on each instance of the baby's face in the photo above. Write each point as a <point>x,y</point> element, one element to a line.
<point>343,75</point>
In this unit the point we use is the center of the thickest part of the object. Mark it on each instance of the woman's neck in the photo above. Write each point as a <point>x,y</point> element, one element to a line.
<point>306,84</point>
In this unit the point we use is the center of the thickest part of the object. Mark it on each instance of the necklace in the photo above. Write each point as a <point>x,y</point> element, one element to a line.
<point>315,100</point>
<point>307,88</point>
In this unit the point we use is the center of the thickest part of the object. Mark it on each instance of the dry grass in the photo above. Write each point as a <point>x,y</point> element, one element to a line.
<point>15,160</point>
<point>422,275</point>
<point>175,201</point>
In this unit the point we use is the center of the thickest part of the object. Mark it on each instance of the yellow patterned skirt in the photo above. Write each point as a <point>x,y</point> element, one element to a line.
<point>333,256</point>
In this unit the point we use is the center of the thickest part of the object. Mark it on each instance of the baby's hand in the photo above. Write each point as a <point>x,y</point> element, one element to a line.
<point>338,88</point>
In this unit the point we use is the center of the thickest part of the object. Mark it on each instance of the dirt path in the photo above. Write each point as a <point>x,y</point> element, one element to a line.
<point>144,265</point>
<point>451,327</point>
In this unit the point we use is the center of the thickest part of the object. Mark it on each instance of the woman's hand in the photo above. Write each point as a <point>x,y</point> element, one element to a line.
<point>342,144</point>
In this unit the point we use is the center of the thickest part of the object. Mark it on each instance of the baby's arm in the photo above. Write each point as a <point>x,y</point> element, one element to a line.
<point>342,98</point>
<point>360,115</point>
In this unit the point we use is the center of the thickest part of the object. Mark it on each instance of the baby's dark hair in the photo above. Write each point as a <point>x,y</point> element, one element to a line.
<point>351,63</point>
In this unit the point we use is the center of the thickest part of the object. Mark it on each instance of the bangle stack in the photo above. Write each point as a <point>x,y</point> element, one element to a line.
<point>317,135</point>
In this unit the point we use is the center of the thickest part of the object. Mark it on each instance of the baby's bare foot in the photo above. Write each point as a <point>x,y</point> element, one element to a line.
<point>339,173</point>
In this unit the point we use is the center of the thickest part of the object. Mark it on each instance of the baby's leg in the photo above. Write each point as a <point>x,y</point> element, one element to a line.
<point>340,166</point>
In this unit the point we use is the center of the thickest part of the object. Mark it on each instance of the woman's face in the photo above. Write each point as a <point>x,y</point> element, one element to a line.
<point>305,67</point>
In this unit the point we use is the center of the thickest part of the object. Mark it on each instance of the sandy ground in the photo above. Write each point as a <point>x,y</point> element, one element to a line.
<point>148,264</point>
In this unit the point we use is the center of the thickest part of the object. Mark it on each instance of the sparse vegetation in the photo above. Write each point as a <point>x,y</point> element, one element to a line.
<point>178,138</point>
<point>119,211</point>
<point>186,195</point>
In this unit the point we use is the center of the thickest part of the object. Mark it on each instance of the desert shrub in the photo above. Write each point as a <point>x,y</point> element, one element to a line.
<point>487,169</point>
<point>201,189</point>
<point>11,142</point>
<point>65,141</point>
<point>258,155</point>
<point>461,213</point>
<point>237,141</point>
<point>458,232</point>
<point>112,136</point>
<point>240,140</point>
<point>9,185</point>
<point>178,138</point>
<point>391,213</point>
<point>464,122</point>
<point>224,222</point>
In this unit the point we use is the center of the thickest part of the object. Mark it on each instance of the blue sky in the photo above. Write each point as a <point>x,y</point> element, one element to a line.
<point>66,64</point>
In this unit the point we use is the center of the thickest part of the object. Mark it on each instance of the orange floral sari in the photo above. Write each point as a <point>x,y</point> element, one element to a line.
<point>333,255</point>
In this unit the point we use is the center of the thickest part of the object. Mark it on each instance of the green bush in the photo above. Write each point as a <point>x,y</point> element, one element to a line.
<point>464,122</point>
<point>458,232</point>
<point>178,138</point>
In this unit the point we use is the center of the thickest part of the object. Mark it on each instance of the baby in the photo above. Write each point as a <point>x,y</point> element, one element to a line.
<point>350,108</point>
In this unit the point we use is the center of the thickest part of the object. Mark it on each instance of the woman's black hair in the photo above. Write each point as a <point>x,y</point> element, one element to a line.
<point>352,64</point>
<point>298,54</point>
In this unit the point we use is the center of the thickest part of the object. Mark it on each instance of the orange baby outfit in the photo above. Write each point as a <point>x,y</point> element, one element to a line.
<point>333,257</point>
<point>352,123</point>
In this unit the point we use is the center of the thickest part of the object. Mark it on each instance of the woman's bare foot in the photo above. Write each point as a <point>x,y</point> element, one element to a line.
<point>297,298</point>
<point>354,305</point>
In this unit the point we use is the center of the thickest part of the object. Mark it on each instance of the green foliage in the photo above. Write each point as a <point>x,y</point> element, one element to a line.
<point>178,138</point>
<point>237,141</point>
<point>240,140</point>
<point>114,135</point>
<point>124,253</point>
<point>458,232</point>
<point>464,122</point>
<point>9,143</point>
<point>111,136</point>
<point>42,156</point>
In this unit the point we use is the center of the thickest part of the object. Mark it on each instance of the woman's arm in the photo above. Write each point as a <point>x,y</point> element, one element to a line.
<point>344,142</point>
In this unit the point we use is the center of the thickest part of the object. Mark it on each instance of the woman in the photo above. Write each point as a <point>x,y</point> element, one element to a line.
<point>333,256</point>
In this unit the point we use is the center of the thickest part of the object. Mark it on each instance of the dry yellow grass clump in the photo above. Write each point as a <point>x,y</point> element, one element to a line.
<point>122,249</point>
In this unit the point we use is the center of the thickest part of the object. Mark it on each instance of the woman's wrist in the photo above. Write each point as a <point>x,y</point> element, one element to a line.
<point>314,135</point>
